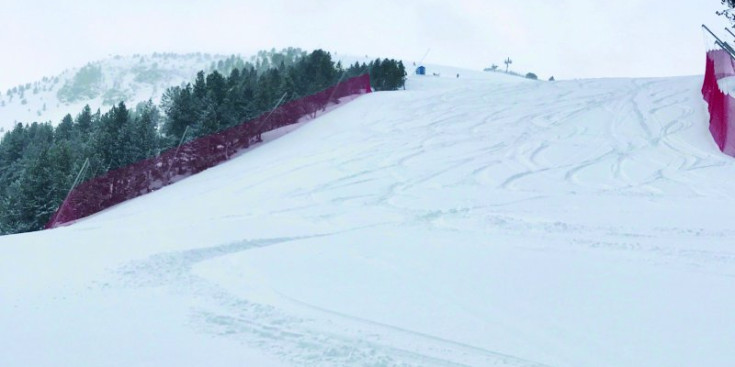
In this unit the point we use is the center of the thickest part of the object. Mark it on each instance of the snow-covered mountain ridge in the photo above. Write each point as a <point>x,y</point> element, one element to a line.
<point>100,84</point>
<point>473,221</point>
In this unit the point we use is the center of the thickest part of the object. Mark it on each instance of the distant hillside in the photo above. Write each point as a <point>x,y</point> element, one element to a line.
<point>132,79</point>
<point>101,84</point>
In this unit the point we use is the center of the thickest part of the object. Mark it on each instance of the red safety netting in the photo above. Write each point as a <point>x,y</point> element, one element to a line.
<point>140,178</point>
<point>721,105</point>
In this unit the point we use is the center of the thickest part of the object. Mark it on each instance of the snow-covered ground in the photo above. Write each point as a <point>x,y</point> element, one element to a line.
<point>484,220</point>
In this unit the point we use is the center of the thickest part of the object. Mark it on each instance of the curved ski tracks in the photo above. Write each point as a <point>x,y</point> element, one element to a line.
<point>612,128</point>
<point>326,338</point>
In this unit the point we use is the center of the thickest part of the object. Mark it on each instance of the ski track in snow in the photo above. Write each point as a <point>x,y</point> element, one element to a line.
<point>347,341</point>
<point>494,158</point>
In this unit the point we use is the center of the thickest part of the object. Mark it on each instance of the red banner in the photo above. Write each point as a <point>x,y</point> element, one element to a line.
<point>720,104</point>
<point>140,178</point>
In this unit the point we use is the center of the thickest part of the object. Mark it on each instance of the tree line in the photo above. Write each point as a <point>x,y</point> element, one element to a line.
<point>40,162</point>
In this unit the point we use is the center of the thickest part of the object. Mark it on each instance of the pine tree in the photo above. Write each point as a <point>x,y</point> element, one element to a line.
<point>13,144</point>
<point>65,129</point>
<point>200,86</point>
<point>30,199</point>
<point>180,109</point>
<point>287,88</point>
<point>208,119</point>
<point>216,87</point>
<point>12,150</point>
<point>145,131</point>
<point>234,79</point>
<point>114,138</point>
<point>84,121</point>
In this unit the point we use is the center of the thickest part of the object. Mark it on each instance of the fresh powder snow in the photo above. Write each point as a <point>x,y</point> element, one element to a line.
<point>485,220</point>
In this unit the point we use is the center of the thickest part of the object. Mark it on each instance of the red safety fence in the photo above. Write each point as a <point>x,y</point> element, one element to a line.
<point>720,104</point>
<point>140,178</point>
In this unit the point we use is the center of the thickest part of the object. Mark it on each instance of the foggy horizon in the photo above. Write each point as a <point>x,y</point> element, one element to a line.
<point>569,39</point>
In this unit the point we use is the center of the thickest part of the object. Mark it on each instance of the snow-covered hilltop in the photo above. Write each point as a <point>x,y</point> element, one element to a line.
<point>484,220</point>
<point>101,84</point>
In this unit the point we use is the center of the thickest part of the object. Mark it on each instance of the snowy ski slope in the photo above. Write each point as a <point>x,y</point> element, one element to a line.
<point>481,221</point>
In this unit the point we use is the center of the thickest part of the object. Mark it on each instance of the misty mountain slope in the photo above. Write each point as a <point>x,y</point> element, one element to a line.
<point>472,221</point>
<point>132,79</point>
<point>100,84</point>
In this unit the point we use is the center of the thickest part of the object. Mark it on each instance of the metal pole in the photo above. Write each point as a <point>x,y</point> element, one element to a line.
<point>76,181</point>
<point>274,108</point>
<point>729,31</point>
<point>79,175</point>
<point>181,141</point>
<point>344,72</point>
<point>722,44</point>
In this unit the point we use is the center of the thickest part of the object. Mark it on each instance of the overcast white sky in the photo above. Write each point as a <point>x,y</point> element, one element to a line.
<point>564,38</point>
